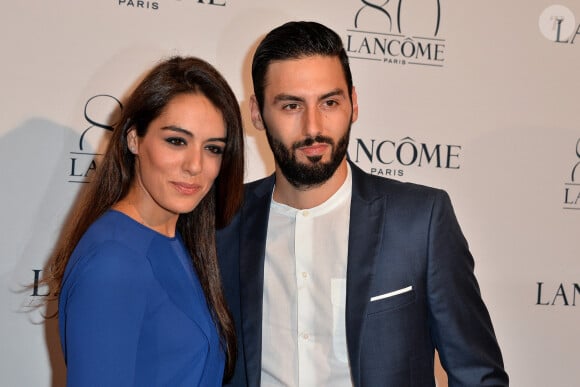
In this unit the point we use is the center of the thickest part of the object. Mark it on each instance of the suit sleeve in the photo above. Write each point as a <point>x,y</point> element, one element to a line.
<point>460,323</point>
<point>104,310</point>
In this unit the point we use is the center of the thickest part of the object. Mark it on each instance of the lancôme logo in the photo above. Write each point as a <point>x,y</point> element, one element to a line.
<point>97,112</point>
<point>558,24</point>
<point>572,187</point>
<point>399,32</point>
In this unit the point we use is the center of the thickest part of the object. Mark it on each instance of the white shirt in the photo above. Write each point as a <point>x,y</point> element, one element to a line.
<point>303,323</point>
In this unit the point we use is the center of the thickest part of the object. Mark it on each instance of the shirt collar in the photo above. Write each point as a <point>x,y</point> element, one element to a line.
<point>342,195</point>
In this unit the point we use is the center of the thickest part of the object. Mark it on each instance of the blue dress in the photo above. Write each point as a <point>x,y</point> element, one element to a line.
<point>132,311</point>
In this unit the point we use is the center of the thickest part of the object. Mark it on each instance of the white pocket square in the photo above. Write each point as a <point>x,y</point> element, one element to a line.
<point>391,294</point>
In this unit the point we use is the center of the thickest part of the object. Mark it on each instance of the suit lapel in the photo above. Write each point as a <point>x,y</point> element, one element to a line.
<point>254,226</point>
<point>365,235</point>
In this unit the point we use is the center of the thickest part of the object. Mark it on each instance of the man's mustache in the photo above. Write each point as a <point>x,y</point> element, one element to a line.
<point>312,140</point>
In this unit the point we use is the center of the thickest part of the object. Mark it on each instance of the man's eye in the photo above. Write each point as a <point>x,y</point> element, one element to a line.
<point>178,141</point>
<point>330,103</point>
<point>291,106</point>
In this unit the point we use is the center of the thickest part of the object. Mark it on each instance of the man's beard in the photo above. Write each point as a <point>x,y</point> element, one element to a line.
<point>304,176</point>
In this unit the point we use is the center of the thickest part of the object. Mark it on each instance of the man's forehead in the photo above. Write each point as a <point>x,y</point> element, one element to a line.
<point>306,73</point>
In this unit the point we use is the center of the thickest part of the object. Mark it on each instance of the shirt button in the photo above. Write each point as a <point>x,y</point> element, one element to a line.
<point>305,336</point>
<point>304,274</point>
<point>305,213</point>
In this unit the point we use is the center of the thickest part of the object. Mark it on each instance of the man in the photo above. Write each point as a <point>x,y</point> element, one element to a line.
<point>336,277</point>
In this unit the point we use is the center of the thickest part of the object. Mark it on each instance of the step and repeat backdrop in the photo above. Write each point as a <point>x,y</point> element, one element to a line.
<point>478,98</point>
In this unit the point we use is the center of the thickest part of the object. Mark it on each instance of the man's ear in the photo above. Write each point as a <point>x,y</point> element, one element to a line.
<point>354,99</point>
<point>255,113</point>
<point>132,142</point>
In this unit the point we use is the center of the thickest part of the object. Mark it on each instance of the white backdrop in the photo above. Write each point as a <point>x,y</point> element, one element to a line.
<point>478,98</point>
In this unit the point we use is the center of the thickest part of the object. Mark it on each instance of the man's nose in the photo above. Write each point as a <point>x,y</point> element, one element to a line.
<point>312,125</point>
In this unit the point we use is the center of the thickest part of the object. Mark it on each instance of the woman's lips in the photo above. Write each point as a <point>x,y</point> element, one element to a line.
<point>186,189</point>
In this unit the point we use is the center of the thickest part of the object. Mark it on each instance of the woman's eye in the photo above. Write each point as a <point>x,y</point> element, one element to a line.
<point>218,150</point>
<point>176,141</point>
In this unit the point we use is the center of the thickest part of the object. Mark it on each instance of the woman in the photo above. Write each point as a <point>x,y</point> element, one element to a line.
<point>140,299</point>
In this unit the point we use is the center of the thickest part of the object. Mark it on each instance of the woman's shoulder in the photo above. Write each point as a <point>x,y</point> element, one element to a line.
<point>116,231</point>
<point>112,246</point>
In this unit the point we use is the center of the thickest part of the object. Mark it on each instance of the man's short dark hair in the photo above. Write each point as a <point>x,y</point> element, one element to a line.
<point>294,40</point>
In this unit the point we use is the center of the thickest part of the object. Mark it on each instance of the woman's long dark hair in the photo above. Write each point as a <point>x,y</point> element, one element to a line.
<point>115,175</point>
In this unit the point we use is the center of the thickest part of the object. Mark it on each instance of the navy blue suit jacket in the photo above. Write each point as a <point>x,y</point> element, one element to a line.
<point>401,235</point>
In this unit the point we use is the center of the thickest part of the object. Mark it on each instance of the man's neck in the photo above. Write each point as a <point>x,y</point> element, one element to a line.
<point>287,194</point>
